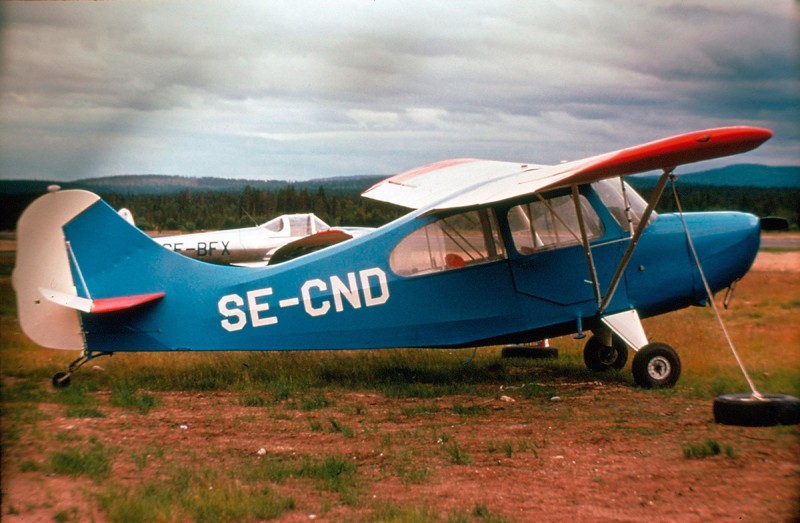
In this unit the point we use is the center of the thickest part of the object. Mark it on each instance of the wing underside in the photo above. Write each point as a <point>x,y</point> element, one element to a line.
<point>468,182</point>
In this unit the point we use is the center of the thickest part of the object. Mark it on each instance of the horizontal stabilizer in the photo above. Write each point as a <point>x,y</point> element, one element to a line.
<point>124,302</point>
<point>99,305</point>
<point>67,300</point>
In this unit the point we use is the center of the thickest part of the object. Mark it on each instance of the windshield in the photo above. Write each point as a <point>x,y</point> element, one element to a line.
<point>298,224</point>
<point>624,204</point>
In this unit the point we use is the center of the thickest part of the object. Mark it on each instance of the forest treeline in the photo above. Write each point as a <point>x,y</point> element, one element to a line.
<point>771,201</point>
<point>207,210</point>
<point>191,211</point>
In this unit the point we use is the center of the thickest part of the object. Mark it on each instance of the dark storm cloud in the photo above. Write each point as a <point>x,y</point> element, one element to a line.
<point>298,90</point>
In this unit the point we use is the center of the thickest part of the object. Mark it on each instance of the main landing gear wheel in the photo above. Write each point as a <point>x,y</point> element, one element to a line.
<point>748,410</point>
<point>599,357</point>
<point>656,366</point>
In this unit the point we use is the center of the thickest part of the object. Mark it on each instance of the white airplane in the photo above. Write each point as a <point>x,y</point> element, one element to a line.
<point>256,246</point>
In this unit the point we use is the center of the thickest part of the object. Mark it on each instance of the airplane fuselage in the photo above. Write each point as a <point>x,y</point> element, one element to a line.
<point>392,289</point>
<point>247,244</point>
<point>491,252</point>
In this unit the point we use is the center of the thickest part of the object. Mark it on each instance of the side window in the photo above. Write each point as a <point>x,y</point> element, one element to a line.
<point>452,242</point>
<point>551,223</point>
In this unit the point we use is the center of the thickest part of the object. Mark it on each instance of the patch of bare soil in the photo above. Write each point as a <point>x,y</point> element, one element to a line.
<point>777,261</point>
<point>579,451</point>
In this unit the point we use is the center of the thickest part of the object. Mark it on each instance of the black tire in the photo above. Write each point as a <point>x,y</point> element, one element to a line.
<point>656,366</point>
<point>599,357</point>
<point>748,411</point>
<point>61,380</point>
<point>526,351</point>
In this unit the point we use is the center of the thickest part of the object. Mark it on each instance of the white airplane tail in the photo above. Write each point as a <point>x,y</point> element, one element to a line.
<point>42,271</point>
<point>127,214</point>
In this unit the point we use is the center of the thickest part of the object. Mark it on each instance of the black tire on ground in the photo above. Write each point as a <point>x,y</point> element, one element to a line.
<point>599,357</point>
<point>61,380</point>
<point>656,366</point>
<point>748,411</point>
<point>526,351</point>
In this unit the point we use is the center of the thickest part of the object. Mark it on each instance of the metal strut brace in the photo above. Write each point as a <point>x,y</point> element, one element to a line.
<point>587,249</point>
<point>623,264</point>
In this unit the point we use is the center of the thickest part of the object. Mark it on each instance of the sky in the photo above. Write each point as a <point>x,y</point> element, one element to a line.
<point>298,90</point>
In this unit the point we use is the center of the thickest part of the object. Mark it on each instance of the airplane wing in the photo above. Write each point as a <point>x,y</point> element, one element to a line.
<point>308,244</point>
<point>468,182</point>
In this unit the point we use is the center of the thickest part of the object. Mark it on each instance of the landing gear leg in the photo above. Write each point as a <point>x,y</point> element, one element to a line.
<point>62,379</point>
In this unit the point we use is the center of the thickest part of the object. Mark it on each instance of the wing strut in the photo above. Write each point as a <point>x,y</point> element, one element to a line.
<point>623,264</point>
<point>587,249</point>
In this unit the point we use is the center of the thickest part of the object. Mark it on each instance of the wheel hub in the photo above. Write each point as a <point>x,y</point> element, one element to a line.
<point>659,368</point>
<point>608,355</point>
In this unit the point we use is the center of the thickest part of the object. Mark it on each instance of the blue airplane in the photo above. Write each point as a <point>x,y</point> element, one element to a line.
<point>490,253</point>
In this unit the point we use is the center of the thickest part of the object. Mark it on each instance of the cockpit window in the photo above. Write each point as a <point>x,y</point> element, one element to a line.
<point>274,225</point>
<point>618,197</point>
<point>298,224</point>
<point>551,223</point>
<point>305,224</point>
<point>452,242</point>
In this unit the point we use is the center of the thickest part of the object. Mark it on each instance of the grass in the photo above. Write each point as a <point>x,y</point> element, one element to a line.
<point>191,495</point>
<point>707,449</point>
<point>432,390</point>
<point>125,395</point>
<point>458,456</point>
<point>92,460</point>
<point>336,474</point>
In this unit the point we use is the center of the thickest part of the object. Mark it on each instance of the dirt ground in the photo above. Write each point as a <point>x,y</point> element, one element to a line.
<point>589,452</point>
<point>778,261</point>
<point>572,451</point>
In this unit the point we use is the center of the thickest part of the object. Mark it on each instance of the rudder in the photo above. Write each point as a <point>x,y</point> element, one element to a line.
<point>43,262</point>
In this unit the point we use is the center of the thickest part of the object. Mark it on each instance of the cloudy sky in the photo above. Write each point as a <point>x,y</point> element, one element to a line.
<point>303,89</point>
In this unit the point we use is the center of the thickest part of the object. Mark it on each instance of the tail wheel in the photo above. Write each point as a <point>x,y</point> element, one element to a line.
<point>656,366</point>
<point>599,357</point>
<point>61,380</point>
<point>765,410</point>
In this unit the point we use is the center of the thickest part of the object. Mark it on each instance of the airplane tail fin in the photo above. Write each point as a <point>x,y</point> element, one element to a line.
<point>42,262</point>
<point>51,285</point>
<point>127,214</point>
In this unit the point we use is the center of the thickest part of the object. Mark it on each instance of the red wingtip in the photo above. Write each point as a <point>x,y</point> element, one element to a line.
<point>679,150</point>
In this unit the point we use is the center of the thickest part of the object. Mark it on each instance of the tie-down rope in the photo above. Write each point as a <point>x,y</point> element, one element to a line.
<point>756,394</point>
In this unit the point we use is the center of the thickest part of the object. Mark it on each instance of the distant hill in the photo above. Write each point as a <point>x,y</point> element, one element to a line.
<point>180,202</point>
<point>739,175</point>
<point>169,184</point>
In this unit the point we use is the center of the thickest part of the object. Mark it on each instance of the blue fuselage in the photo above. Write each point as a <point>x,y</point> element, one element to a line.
<point>352,296</point>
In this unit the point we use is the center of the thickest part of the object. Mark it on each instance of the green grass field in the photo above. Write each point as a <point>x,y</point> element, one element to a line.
<point>762,324</point>
<point>201,486</point>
